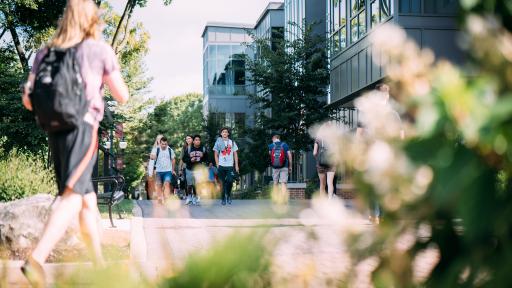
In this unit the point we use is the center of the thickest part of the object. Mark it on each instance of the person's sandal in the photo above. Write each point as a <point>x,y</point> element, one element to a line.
<point>34,273</point>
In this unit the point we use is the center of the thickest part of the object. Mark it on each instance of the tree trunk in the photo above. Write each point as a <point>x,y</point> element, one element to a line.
<point>127,11</point>
<point>19,48</point>
<point>3,32</point>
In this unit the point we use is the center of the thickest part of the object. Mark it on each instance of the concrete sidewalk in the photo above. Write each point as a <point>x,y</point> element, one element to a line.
<point>164,237</point>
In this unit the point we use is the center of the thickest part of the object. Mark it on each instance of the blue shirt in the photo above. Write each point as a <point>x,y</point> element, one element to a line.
<point>286,149</point>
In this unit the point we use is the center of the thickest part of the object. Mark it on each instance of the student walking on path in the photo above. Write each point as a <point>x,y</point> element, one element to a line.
<point>72,69</point>
<point>324,168</point>
<point>151,180</point>
<point>195,158</point>
<point>226,155</point>
<point>281,163</point>
<point>183,167</point>
<point>393,119</point>
<point>164,165</point>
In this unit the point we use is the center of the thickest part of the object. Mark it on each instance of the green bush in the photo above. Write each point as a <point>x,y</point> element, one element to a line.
<point>22,175</point>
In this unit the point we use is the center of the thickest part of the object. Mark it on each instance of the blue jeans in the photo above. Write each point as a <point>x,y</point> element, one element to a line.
<point>162,177</point>
<point>375,208</point>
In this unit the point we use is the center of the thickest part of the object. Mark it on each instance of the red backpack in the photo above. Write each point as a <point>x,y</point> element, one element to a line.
<point>277,156</point>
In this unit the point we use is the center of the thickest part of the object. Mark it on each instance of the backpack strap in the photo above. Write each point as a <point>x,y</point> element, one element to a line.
<point>157,153</point>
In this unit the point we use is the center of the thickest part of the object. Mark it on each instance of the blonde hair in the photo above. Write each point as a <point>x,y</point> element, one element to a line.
<point>157,140</point>
<point>80,21</point>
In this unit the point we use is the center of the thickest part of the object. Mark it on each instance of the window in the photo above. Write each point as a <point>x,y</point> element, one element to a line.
<point>338,18</point>
<point>336,14</point>
<point>380,11</point>
<point>357,19</point>
<point>226,70</point>
<point>239,121</point>
<point>219,119</point>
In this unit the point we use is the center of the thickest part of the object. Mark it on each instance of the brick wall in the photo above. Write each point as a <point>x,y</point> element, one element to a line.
<point>297,191</point>
<point>345,191</point>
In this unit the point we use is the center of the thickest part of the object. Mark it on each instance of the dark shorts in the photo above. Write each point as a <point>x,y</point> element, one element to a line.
<point>162,177</point>
<point>324,169</point>
<point>74,155</point>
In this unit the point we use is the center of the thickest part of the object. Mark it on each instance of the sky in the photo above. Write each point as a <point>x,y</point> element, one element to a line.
<point>175,48</point>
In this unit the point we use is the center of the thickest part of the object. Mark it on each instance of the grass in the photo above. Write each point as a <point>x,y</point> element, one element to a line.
<point>125,206</point>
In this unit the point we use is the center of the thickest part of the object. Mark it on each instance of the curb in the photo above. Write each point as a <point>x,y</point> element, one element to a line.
<point>138,250</point>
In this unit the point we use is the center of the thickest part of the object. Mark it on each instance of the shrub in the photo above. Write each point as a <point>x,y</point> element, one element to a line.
<point>22,175</point>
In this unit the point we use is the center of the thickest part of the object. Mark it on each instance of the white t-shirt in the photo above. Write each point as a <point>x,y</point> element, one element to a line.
<point>226,150</point>
<point>164,160</point>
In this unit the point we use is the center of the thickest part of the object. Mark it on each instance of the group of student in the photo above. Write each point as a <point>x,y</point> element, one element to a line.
<point>195,159</point>
<point>223,168</point>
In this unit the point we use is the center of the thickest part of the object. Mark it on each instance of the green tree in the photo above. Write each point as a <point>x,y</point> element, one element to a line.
<point>17,126</point>
<point>175,118</point>
<point>292,79</point>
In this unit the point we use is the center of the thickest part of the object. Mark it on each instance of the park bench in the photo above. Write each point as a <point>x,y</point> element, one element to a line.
<point>112,193</point>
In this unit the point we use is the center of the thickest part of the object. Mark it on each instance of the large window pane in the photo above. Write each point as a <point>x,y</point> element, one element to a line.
<point>385,9</point>
<point>239,121</point>
<point>212,73</point>
<point>353,30</point>
<point>212,52</point>
<point>343,37</point>
<point>239,72</point>
<point>336,14</point>
<point>223,51</point>
<point>336,42</point>
<point>375,13</point>
<point>362,23</point>
<point>343,12</point>
<point>357,5</point>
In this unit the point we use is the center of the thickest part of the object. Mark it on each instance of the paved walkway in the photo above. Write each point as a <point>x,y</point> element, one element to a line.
<point>309,249</point>
<point>308,243</point>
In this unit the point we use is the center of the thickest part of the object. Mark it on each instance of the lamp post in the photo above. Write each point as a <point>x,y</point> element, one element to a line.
<point>120,160</point>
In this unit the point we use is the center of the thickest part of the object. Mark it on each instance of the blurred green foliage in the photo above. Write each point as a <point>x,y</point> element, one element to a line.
<point>240,260</point>
<point>449,188</point>
<point>23,175</point>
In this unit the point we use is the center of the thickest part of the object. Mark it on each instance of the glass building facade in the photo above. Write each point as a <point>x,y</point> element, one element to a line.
<point>226,47</point>
<point>349,20</point>
<point>225,69</point>
<point>295,12</point>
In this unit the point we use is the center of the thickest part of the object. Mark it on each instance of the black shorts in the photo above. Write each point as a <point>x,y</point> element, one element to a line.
<point>74,154</point>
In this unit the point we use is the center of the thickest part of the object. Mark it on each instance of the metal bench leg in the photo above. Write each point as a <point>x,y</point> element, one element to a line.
<point>119,212</point>
<point>110,216</point>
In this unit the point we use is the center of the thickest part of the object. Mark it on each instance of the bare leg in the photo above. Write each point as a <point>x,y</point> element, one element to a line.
<point>57,224</point>
<point>284,192</point>
<point>159,191</point>
<point>330,184</point>
<point>167,190</point>
<point>322,177</point>
<point>89,227</point>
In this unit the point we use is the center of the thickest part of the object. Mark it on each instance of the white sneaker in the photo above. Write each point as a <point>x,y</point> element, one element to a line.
<point>194,200</point>
<point>188,200</point>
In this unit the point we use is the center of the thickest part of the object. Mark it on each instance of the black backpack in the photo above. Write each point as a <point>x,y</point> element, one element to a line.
<point>322,156</point>
<point>58,97</point>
